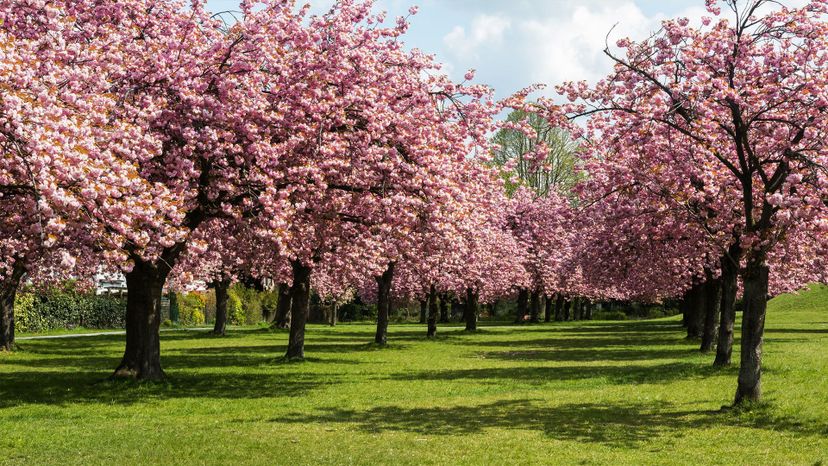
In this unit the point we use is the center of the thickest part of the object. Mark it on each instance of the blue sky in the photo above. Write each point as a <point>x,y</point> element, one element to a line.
<point>514,43</point>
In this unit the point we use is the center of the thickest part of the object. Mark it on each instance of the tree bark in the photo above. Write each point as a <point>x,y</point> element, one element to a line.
<point>559,308</point>
<point>458,308</point>
<point>283,303</point>
<point>753,327</point>
<point>522,304</point>
<point>432,313</point>
<point>8,291</point>
<point>589,308</point>
<point>300,299</point>
<point>695,311</point>
<point>576,309</point>
<point>423,310</point>
<point>142,355</point>
<point>547,309</point>
<point>444,313</point>
<point>470,310</point>
<point>534,308</point>
<point>713,301</point>
<point>334,312</point>
<point>567,307</point>
<point>384,304</point>
<point>684,307</point>
<point>730,271</point>
<point>221,287</point>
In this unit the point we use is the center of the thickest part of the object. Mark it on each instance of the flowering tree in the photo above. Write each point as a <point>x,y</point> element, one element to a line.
<point>727,121</point>
<point>55,157</point>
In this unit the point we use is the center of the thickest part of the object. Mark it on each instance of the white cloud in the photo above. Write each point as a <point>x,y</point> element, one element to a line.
<point>486,31</point>
<point>570,46</point>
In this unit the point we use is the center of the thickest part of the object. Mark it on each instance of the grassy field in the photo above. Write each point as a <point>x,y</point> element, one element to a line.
<point>588,393</point>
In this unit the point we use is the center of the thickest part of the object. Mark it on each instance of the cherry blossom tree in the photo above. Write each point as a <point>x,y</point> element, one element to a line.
<point>726,120</point>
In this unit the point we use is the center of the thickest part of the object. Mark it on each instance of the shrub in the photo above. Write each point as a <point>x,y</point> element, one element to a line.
<point>235,310</point>
<point>251,303</point>
<point>191,309</point>
<point>67,307</point>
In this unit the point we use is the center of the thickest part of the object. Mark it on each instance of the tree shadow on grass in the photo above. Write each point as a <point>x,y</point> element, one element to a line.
<point>815,331</point>
<point>620,425</point>
<point>535,375</point>
<point>591,355</point>
<point>59,388</point>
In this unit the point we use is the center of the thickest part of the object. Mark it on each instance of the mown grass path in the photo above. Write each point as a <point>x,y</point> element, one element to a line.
<point>590,393</point>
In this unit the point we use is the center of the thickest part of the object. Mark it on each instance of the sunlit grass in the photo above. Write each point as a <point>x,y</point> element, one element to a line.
<point>599,392</point>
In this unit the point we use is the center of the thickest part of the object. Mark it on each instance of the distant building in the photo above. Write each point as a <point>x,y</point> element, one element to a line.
<point>110,283</point>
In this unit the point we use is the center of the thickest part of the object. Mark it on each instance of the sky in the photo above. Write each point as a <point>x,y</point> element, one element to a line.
<point>515,43</point>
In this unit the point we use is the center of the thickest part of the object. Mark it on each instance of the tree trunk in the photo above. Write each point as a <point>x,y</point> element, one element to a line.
<point>175,313</point>
<point>334,312</point>
<point>8,291</point>
<point>713,301</point>
<point>522,304</point>
<point>300,298</point>
<point>221,287</point>
<point>458,308</point>
<point>695,311</point>
<point>432,313</point>
<point>730,271</point>
<point>470,310</point>
<point>685,307</point>
<point>753,328</point>
<point>534,308</point>
<point>547,309</point>
<point>589,308</point>
<point>384,304</point>
<point>423,310</point>
<point>576,309</point>
<point>142,355</point>
<point>559,308</point>
<point>283,303</point>
<point>567,307</point>
<point>444,313</point>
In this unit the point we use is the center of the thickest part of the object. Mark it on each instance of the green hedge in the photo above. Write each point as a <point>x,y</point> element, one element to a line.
<point>67,307</point>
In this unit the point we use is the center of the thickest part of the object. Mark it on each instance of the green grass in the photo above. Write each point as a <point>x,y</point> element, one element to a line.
<point>599,392</point>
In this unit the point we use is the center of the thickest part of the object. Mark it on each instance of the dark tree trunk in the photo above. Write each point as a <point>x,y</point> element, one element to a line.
<point>470,310</point>
<point>730,271</point>
<point>8,291</point>
<point>713,301</point>
<point>695,311</point>
<point>384,304</point>
<point>559,308</point>
<point>432,313</point>
<point>220,327</point>
<point>576,309</point>
<point>175,313</point>
<point>334,314</point>
<point>300,299</point>
<point>522,304</point>
<point>458,308</point>
<point>753,328</point>
<point>547,309</point>
<point>588,310</point>
<point>423,310</point>
<point>444,311</point>
<point>283,303</point>
<point>142,355</point>
<point>567,307</point>
<point>534,308</point>
<point>685,307</point>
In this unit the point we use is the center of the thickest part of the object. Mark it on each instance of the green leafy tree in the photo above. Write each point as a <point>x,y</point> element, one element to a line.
<point>557,173</point>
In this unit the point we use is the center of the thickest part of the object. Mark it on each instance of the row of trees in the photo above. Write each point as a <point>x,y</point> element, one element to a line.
<point>315,152</point>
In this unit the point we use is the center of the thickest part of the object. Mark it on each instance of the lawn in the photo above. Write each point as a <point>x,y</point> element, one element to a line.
<point>598,392</point>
